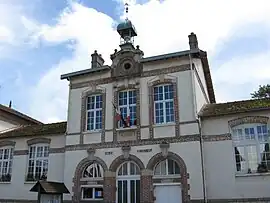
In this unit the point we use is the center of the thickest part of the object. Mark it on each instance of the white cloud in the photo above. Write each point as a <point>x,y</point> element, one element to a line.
<point>162,27</point>
<point>15,29</point>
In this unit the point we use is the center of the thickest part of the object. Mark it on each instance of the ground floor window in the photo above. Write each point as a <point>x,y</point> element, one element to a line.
<point>128,191</point>
<point>92,193</point>
<point>128,183</point>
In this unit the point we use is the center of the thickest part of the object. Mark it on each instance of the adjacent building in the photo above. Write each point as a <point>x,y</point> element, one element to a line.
<point>144,129</point>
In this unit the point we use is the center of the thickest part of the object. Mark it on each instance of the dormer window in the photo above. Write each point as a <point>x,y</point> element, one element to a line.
<point>94,112</point>
<point>251,148</point>
<point>164,104</point>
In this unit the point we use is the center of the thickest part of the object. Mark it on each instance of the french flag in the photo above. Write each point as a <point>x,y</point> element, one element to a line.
<point>119,115</point>
<point>128,117</point>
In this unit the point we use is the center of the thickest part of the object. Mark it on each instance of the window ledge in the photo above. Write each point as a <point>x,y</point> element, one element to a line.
<point>166,176</point>
<point>252,174</point>
<point>92,179</point>
<point>92,132</point>
<point>126,129</point>
<point>9,182</point>
<point>30,182</point>
<point>163,125</point>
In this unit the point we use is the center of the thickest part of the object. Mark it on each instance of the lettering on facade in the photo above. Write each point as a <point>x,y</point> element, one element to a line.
<point>108,153</point>
<point>144,150</point>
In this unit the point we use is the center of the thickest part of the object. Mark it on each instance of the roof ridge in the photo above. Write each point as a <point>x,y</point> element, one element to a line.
<point>240,101</point>
<point>242,106</point>
<point>18,114</point>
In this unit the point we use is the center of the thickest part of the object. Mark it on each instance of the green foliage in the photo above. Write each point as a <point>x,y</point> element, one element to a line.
<point>262,92</point>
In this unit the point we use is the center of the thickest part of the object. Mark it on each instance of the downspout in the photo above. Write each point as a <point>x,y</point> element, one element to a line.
<point>199,126</point>
<point>205,200</point>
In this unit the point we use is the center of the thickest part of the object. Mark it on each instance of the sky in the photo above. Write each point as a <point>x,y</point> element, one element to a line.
<point>40,40</point>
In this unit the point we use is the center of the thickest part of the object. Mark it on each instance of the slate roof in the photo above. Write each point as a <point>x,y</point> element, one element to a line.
<point>18,114</point>
<point>40,129</point>
<point>50,187</point>
<point>244,106</point>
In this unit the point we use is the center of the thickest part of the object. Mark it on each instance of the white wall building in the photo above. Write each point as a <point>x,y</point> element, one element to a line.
<point>173,142</point>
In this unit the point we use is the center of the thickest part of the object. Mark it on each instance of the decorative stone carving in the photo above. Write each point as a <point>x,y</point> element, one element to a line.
<point>126,63</point>
<point>164,146</point>
<point>126,150</point>
<point>91,153</point>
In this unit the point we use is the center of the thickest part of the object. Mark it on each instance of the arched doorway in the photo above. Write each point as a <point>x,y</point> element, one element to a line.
<point>128,183</point>
<point>166,170</point>
<point>90,189</point>
<point>169,176</point>
<point>89,180</point>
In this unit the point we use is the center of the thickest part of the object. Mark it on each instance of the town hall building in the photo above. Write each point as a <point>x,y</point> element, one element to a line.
<point>141,130</point>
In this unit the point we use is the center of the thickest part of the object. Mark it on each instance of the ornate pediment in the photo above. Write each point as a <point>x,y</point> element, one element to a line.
<point>125,63</point>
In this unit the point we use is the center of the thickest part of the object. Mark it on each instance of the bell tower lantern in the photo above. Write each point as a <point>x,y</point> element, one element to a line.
<point>126,30</point>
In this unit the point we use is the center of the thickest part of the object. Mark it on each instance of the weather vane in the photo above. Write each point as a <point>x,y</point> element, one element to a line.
<point>126,9</point>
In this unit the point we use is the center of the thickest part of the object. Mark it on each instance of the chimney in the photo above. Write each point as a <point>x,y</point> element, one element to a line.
<point>193,42</point>
<point>97,60</point>
<point>10,104</point>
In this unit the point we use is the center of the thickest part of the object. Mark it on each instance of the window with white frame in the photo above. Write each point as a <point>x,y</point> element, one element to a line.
<point>94,112</point>
<point>94,192</point>
<point>38,158</point>
<point>164,104</point>
<point>127,107</point>
<point>6,158</point>
<point>128,183</point>
<point>167,167</point>
<point>92,172</point>
<point>251,148</point>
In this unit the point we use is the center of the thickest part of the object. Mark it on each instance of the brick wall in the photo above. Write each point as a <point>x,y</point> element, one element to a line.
<point>146,186</point>
<point>109,187</point>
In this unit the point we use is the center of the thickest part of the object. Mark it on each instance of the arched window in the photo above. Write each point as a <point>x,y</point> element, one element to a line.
<point>128,169</point>
<point>94,170</point>
<point>128,183</point>
<point>167,167</point>
<point>251,148</point>
<point>93,191</point>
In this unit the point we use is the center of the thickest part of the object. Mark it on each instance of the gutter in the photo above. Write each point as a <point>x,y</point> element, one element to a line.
<point>205,200</point>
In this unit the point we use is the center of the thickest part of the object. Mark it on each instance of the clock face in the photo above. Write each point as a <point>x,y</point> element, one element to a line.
<point>127,65</point>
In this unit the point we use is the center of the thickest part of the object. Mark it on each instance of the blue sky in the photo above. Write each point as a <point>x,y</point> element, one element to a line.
<point>40,40</point>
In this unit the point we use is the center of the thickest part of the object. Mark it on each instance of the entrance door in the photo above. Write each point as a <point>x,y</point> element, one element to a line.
<point>128,183</point>
<point>168,194</point>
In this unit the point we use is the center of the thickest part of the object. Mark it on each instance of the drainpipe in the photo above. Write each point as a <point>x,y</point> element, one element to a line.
<point>199,125</point>
<point>202,160</point>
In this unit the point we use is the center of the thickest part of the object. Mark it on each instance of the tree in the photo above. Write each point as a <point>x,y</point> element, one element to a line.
<point>262,92</point>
